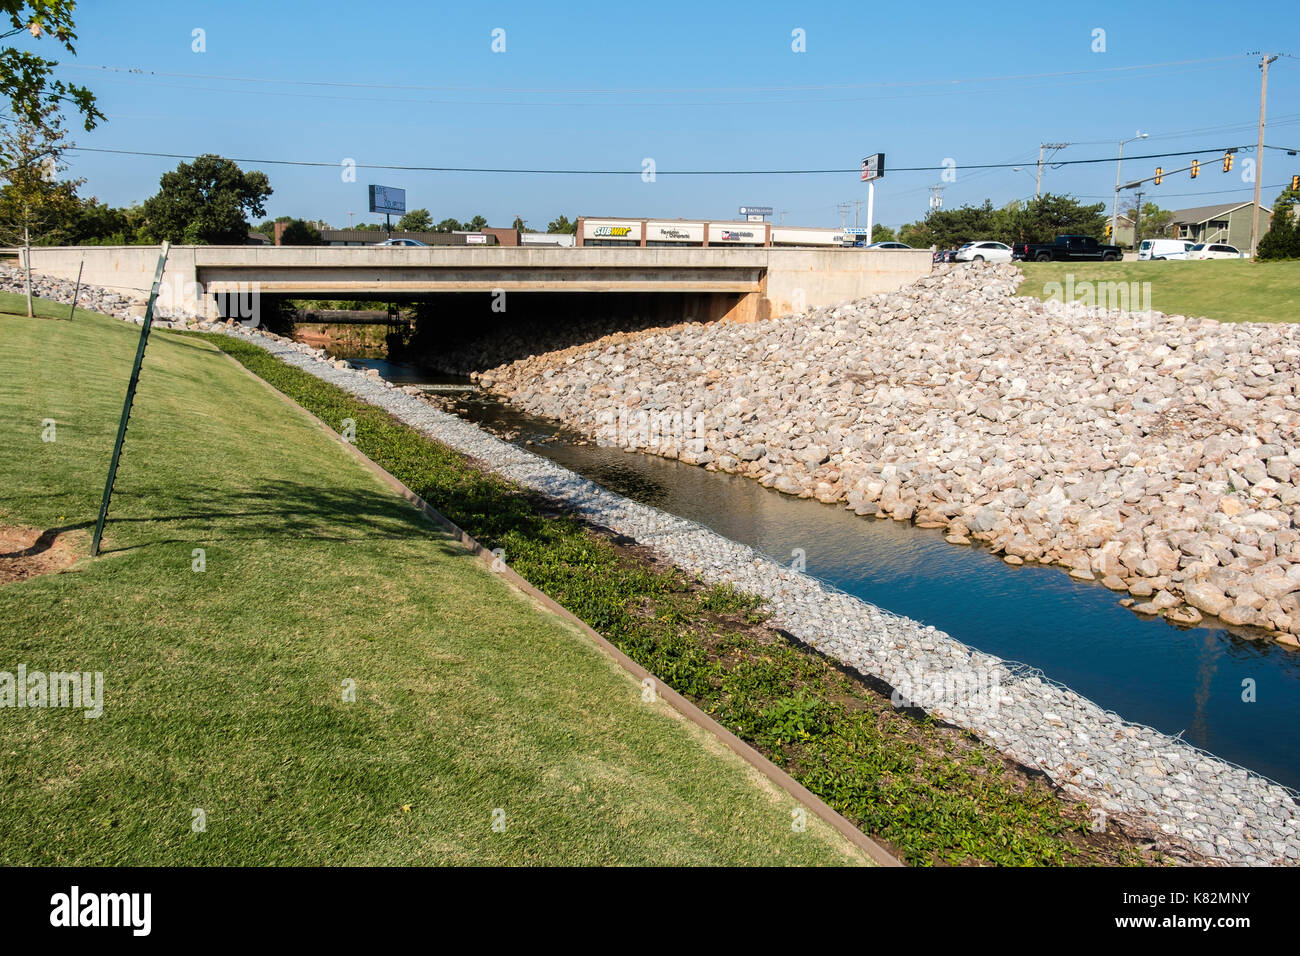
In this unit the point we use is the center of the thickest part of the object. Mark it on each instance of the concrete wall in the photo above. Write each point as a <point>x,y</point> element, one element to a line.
<point>126,269</point>
<point>764,282</point>
<point>799,279</point>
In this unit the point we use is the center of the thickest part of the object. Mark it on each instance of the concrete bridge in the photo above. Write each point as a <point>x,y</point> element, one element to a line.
<point>700,283</point>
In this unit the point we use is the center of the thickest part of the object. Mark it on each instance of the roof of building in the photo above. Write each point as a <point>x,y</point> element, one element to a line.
<point>1199,214</point>
<point>373,236</point>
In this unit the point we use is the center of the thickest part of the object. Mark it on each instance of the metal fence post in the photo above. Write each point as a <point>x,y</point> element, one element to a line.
<point>130,399</point>
<point>76,290</point>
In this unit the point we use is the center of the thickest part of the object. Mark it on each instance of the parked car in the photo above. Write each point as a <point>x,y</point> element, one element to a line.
<point>1164,248</point>
<point>1214,250</point>
<point>1067,249</point>
<point>889,245</point>
<point>985,251</point>
<point>943,255</point>
<point>400,242</point>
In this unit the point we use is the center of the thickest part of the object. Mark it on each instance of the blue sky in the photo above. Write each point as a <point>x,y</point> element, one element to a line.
<point>874,77</point>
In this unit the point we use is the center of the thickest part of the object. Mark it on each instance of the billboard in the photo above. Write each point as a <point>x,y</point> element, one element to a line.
<point>873,167</point>
<point>756,210</point>
<point>388,199</point>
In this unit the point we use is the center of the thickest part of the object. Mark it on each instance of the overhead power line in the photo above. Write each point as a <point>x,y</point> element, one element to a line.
<point>629,91</point>
<point>638,171</point>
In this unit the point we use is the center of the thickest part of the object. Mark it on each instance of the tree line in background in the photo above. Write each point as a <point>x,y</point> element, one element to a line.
<point>1037,220</point>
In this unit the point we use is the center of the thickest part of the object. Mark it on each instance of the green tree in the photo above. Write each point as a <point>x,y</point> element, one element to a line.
<point>299,232</point>
<point>562,225</point>
<point>1154,222</point>
<point>1282,241</point>
<point>952,227</point>
<point>97,223</point>
<point>477,224</point>
<point>417,220</point>
<point>26,79</point>
<point>206,202</point>
<point>519,224</point>
<point>882,233</point>
<point>447,225</point>
<point>33,205</point>
<point>1041,220</point>
<point>915,234</point>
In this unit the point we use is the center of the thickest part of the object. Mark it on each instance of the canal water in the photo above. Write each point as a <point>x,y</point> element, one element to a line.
<point>1190,681</point>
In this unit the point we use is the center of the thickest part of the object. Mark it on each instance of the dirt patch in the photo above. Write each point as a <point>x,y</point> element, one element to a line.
<point>28,552</point>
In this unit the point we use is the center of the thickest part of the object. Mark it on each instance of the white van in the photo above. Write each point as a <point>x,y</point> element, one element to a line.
<point>1164,248</point>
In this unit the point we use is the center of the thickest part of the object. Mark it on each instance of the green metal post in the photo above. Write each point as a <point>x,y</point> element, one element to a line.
<point>76,291</point>
<point>130,399</point>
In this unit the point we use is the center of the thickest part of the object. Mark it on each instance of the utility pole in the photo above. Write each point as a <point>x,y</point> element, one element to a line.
<point>1264,61</point>
<point>936,196</point>
<point>843,207</point>
<point>1038,183</point>
<point>783,212</point>
<point>1119,164</point>
<point>1137,223</point>
<point>857,207</point>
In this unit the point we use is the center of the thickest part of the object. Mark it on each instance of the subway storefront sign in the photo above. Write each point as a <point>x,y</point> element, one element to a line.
<point>601,231</point>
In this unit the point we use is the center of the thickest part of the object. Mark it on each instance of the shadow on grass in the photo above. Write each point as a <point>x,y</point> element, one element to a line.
<point>271,509</point>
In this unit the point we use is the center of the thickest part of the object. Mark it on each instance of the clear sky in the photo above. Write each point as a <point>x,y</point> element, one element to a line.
<point>692,85</point>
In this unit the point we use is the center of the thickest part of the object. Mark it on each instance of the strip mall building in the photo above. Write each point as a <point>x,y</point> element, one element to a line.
<point>683,232</point>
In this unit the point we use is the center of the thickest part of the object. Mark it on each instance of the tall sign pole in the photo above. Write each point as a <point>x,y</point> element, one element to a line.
<point>873,167</point>
<point>130,400</point>
<point>1259,150</point>
<point>871,208</point>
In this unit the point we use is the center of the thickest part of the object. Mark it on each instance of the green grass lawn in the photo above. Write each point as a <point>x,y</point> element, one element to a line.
<point>1230,290</point>
<point>224,688</point>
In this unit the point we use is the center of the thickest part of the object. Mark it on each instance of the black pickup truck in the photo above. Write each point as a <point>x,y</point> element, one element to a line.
<point>1066,249</point>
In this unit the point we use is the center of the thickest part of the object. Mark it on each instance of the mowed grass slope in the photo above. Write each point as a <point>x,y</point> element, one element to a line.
<point>224,688</point>
<point>1229,290</point>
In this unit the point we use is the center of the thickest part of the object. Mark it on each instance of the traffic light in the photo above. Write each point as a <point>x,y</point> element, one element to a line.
<point>1227,162</point>
<point>1196,168</point>
<point>1108,231</point>
<point>1295,184</point>
<point>1160,174</point>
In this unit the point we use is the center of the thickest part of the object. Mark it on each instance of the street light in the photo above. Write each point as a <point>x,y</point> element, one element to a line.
<point>1119,164</point>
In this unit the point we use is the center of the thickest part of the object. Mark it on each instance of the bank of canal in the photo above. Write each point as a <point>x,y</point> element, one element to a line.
<point>1179,680</point>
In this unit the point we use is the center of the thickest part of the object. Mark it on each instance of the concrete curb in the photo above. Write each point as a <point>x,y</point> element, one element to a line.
<point>686,708</point>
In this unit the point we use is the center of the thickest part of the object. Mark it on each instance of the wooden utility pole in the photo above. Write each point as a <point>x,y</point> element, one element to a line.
<point>1265,60</point>
<point>1038,180</point>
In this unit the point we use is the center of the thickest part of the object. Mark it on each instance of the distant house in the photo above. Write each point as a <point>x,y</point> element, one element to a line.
<point>1226,222</point>
<point>1123,231</point>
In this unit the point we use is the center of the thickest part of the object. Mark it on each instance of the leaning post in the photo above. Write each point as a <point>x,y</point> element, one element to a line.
<point>76,290</point>
<point>130,399</point>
